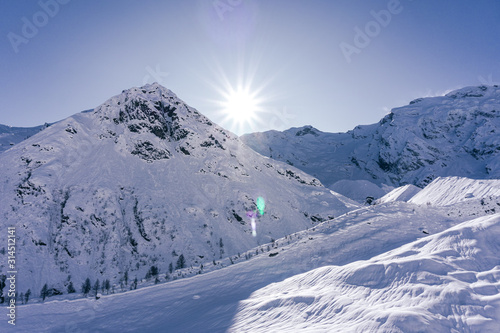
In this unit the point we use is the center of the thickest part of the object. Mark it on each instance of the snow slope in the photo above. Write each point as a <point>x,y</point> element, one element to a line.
<point>138,182</point>
<point>452,135</point>
<point>210,301</point>
<point>445,191</point>
<point>402,193</point>
<point>448,282</point>
<point>358,190</point>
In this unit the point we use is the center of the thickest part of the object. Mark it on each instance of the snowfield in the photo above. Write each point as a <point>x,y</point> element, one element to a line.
<point>448,282</point>
<point>438,192</point>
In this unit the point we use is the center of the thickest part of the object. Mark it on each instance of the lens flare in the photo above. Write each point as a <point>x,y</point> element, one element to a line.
<point>261,205</point>
<point>254,227</point>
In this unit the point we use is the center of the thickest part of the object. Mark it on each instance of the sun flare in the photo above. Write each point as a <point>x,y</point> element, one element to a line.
<point>241,106</point>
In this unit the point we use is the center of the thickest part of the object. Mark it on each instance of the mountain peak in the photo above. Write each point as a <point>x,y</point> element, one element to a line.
<point>304,130</point>
<point>151,116</point>
<point>152,106</point>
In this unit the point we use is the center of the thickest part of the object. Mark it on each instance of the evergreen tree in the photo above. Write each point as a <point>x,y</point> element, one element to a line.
<point>126,277</point>
<point>96,287</point>
<point>170,268</point>
<point>135,283</point>
<point>71,289</point>
<point>181,262</point>
<point>221,248</point>
<point>43,293</point>
<point>86,287</point>
<point>107,285</point>
<point>27,296</point>
<point>22,297</point>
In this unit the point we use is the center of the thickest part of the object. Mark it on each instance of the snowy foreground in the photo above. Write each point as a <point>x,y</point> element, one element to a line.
<point>393,267</point>
<point>444,283</point>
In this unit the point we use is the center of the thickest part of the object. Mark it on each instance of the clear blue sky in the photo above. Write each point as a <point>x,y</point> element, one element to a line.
<point>292,52</point>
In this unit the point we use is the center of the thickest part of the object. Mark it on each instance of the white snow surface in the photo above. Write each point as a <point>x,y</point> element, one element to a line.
<point>445,191</point>
<point>358,190</point>
<point>229,299</point>
<point>448,282</point>
<point>402,193</point>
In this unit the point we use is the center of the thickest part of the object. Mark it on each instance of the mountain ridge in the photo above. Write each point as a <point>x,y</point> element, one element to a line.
<point>451,135</point>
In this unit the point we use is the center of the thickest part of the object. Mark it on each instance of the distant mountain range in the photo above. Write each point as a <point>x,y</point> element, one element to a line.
<point>9,136</point>
<point>453,135</point>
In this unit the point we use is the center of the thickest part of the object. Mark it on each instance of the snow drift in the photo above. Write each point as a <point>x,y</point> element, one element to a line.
<point>448,282</point>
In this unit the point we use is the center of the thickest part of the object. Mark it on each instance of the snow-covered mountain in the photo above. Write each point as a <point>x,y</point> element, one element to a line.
<point>138,182</point>
<point>445,277</point>
<point>452,135</point>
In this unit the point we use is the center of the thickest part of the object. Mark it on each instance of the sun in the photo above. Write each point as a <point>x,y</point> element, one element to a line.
<point>242,101</point>
<point>241,106</point>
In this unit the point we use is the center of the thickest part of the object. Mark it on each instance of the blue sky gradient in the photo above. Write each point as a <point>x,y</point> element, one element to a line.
<point>288,51</point>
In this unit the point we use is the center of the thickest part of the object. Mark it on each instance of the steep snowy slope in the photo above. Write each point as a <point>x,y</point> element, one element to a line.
<point>448,282</point>
<point>138,182</point>
<point>452,135</point>
<point>208,302</point>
